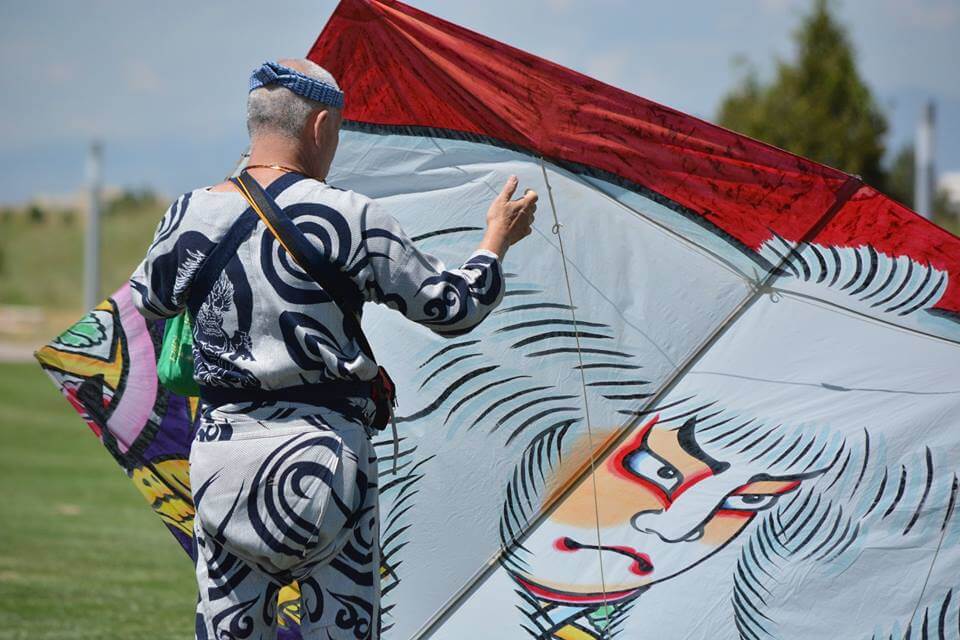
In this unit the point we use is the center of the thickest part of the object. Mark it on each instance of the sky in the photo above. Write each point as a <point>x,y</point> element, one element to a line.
<point>163,85</point>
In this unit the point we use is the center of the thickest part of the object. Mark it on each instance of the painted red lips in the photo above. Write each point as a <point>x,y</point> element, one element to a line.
<point>641,562</point>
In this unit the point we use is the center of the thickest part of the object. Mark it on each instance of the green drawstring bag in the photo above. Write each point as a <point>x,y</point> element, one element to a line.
<point>175,364</point>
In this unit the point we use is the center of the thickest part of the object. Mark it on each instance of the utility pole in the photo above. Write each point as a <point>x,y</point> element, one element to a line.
<point>924,175</point>
<point>91,253</point>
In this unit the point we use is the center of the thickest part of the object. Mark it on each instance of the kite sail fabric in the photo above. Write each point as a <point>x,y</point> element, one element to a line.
<point>718,400</point>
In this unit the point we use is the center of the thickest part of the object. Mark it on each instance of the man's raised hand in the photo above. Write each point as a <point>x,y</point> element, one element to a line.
<point>509,221</point>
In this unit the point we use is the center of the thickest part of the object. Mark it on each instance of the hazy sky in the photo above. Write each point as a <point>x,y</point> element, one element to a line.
<point>164,84</point>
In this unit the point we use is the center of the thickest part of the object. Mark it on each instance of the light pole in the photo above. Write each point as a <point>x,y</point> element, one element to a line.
<point>91,253</point>
<point>924,177</point>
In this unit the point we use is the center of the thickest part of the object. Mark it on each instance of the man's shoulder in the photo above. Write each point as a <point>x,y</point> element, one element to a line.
<point>310,190</point>
<point>203,209</point>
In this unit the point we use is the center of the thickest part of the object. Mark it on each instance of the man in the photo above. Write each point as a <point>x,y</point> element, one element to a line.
<point>282,470</point>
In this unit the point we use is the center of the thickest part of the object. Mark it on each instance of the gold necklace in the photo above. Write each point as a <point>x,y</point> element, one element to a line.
<point>275,167</point>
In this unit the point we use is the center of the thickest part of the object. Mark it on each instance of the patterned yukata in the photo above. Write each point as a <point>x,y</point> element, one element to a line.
<point>288,490</point>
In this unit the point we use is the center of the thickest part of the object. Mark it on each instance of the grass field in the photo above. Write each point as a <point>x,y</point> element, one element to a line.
<point>41,265</point>
<point>81,554</point>
<point>42,262</point>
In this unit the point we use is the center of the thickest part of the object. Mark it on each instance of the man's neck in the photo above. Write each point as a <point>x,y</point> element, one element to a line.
<point>272,150</point>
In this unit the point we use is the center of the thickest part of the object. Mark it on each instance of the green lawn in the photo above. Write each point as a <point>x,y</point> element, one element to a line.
<point>41,263</point>
<point>81,553</point>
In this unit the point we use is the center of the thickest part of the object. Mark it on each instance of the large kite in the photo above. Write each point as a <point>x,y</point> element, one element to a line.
<point>720,398</point>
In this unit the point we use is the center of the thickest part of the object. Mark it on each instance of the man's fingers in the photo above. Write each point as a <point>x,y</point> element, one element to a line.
<point>529,198</point>
<point>526,203</point>
<point>508,189</point>
<point>524,215</point>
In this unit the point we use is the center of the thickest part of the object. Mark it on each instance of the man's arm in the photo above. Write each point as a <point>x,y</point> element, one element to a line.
<point>448,301</point>
<point>161,283</point>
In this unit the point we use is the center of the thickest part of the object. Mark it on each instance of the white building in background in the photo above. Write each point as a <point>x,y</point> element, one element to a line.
<point>949,183</point>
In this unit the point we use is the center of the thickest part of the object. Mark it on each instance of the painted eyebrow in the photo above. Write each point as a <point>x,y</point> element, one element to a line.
<point>789,485</point>
<point>688,442</point>
<point>766,477</point>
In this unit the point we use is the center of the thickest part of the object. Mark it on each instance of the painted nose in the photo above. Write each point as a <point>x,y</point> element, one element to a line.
<point>667,528</point>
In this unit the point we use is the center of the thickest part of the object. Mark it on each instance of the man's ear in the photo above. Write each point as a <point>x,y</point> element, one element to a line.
<point>319,124</point>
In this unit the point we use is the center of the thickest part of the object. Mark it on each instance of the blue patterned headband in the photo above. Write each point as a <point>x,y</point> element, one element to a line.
<point>305,86</point>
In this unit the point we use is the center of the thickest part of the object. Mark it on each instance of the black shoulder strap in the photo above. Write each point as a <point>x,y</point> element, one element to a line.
<point>216,261</point>
<point>324,272</point>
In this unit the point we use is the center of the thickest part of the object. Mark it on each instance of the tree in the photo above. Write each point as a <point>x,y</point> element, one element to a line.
<point>131,200</point>
<point>35,214</point>
<point>817,105</point>
<point>900,179</point>
<point>900,186</point>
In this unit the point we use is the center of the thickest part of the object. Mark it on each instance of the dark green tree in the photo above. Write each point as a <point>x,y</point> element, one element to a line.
<point>817,105</point>
<point>131,200</point>
<point>900,186</point>
<point>35,214</point>
<point>900,178</point>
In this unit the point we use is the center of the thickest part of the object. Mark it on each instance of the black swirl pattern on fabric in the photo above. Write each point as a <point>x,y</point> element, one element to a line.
<point>171,219</point>
<point>313,220</point>
<point>321,225</point>
<point>242,294</point>
<point>284,473</point>
<point>240,624</point>
<point>302,293</point>
<point>223,569</point>
<point>311,596</point>
<point>214,431</point>
<point>373,233</point>
<point>270,605</point>
<point>392,300</point>
<point>449,306</point>
<point>452,296</point>
<point>354,615</point>
<point>485,293</point>
<point>313,495</point>
<point>166,268</point>
<point>307,341</point>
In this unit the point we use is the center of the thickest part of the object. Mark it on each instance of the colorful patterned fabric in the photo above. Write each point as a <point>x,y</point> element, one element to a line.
<point>105,365</point>
<point>285,493</point>
<point>726,407</point>
<point>262,295</point>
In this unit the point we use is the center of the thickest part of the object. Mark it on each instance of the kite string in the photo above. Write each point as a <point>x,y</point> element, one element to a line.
<point>583,385</point>
<point>926,580</point>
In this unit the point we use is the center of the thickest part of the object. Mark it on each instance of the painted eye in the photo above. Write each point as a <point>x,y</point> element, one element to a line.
<point>749,502</point>
<point>649,467</point>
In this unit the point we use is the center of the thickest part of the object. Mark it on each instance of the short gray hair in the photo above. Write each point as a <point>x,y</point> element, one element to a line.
<point>279,111</point>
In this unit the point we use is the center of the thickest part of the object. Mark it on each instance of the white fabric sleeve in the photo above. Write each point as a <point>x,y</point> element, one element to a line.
<point>450,302</point>
<point>160,284</point>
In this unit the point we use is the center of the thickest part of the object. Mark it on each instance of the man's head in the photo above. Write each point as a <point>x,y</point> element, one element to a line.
<point>301,114</point>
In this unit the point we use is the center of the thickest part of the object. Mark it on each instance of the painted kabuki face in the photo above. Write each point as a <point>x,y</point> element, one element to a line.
<point>672,506</point>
